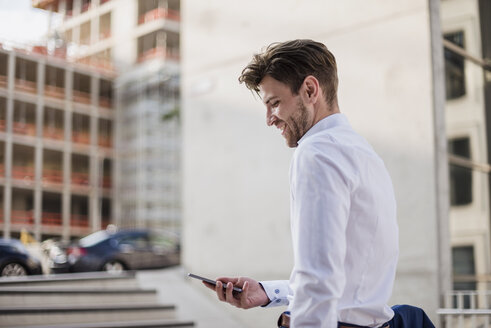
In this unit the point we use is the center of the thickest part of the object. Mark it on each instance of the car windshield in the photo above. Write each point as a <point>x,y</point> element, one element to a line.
<point>94,238</point>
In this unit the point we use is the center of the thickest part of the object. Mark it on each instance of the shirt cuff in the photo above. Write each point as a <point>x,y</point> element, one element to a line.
<point>277,292</point>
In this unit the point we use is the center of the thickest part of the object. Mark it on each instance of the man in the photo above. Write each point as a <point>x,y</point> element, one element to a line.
<point>343,210</point>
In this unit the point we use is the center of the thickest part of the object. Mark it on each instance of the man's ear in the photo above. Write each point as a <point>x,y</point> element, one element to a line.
<point>311,89</point>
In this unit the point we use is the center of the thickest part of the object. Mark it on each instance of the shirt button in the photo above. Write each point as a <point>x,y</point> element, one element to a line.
<point>277,291</point>
<point>278,301</point>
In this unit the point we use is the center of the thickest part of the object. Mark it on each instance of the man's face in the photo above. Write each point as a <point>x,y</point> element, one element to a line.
<point>285,111</point>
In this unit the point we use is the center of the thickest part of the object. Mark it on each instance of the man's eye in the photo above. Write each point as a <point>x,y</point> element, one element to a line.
<point>275,104</point>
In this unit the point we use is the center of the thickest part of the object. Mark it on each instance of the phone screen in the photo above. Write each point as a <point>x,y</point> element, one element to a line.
<point>213,282</point>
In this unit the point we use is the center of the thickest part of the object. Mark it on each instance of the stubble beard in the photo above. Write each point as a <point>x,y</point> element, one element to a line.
<point>297,125</point>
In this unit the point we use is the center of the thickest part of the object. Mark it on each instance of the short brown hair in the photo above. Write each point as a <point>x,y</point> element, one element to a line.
<point>291,62</point>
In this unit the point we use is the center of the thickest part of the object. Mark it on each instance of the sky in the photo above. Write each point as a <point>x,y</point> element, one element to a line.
<point>20,23</point>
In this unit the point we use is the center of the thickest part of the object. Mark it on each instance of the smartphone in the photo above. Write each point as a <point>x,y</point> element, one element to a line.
<point>213,282</point>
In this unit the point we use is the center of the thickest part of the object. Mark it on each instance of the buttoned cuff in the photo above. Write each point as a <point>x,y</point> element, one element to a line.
<point>277,292</point>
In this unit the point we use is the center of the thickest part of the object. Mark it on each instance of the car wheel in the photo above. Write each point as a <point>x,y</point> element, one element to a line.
<point>113,267</point>
<point>13,270</point>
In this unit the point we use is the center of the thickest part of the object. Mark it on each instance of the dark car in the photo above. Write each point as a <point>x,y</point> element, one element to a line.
<point>15,259</point>
<point>123,250</point>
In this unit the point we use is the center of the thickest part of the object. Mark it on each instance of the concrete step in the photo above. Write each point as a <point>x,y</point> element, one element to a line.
<point>33,296</point>
<point>52,315</point>
<point>124,324</point>
<point>89,279</point>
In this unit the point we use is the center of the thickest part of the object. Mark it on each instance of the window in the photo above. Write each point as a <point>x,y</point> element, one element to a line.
<point>460,177</point>
<point>463,264</point>
<point>463,267</point>
<point>137,241</point>
<point>163,242</point>
<point>454,67</point>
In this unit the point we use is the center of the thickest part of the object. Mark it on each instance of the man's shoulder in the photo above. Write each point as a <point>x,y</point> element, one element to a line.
<point>323,148</point>
<point>341,148</point>
<point>331,142</point>
<point>316,145</point>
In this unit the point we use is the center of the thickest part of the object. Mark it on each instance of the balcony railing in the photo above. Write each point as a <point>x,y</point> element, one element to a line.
<point>466,309</point>
<point>25,85</point>
<point>80,178</point>
<point>28,129</point>
<point>53,133</point>
<point>158,52</point>
<point>3,81</point>
<point>60,53</point>
<point>54,91</point>
<point>25,173</point>
<point>105,102</point>
<point>81,137</point>
<point>106,182</point>
<point>97,62</point>
<point>51,219</point>
<point>40,50</point>
<point>86,7</point>
<point>159,13</point>
<point>81,97</point>
<point>105,141</point>
<point>78,220</point>
<point>22,217</point>
<point>104,35</point>
<point>52,176</point>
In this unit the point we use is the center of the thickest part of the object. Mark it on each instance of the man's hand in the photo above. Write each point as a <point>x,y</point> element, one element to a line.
<point>252,294</point>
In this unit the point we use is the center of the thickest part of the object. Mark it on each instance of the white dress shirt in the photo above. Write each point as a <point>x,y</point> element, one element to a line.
<point>344,231</point>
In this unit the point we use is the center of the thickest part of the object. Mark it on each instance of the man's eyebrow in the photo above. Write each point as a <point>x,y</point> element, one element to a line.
<point>269,99</point>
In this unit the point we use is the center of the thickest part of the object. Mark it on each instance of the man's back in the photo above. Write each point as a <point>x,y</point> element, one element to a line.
<point>344,228</point>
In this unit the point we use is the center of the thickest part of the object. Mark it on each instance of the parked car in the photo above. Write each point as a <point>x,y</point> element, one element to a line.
<point>115,251</point>
<point>15,259</point>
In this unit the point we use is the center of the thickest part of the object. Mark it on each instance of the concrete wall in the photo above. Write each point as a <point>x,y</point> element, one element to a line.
<point>236,205</point>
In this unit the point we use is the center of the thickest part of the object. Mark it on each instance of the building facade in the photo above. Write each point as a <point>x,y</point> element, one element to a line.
<point>56,146</point>
<point>140,40</point>
<point>467,140</point>
<point>465,25</point>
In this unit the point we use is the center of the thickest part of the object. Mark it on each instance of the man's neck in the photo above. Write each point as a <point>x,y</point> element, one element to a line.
<point>325,111</point>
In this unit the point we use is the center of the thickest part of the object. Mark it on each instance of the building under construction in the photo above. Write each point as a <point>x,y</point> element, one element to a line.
<point>56,132</point>
<point>90,131</point>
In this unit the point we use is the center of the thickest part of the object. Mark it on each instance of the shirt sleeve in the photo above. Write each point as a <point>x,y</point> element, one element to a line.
<point>320,209</point>
<point>277,291</point>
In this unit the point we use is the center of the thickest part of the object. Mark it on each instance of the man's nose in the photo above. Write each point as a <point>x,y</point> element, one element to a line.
<point>269,117</point>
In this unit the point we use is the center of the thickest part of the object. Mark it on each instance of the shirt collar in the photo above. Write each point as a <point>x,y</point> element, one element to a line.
<point>327,122</point>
